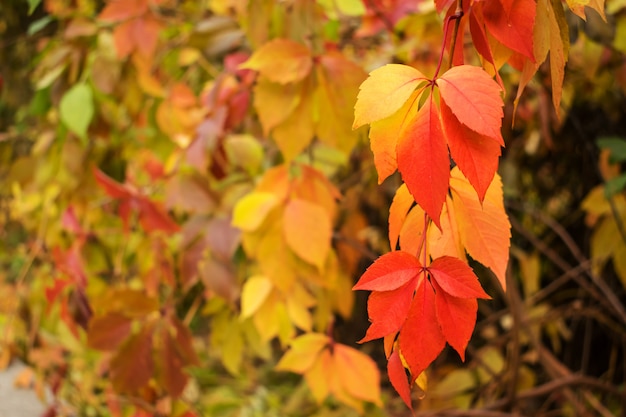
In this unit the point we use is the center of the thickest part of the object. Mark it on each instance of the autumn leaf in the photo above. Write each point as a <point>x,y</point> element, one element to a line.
<point>511,22</point>
<point>255,291</point>
<point>423,160</point>
<point>398,378</point>
<point>384,92</point>
<point>132,364</point>
<point>457,318</point>
<point>456,278</point>
<point>303,352</point>
<point>421,339</point>
<point>308,231</point>
<point>476,155</point>
<point>252,209</point>
<point>357,373</point>
<point>389,272</point>
<point>400,205</point>
<point>474,98</point>
<point>281,61</point>
<point>484,228</point>
<point>108,331</point>
<point>388,310</point>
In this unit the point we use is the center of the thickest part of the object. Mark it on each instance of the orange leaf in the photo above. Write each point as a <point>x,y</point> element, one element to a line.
<point>357,373</point>
<point>511,22</point>
<point>476,155</point>
<point>474,98</point>
<point>274,102</point>
<point>118,10</point>
<point>402,202</point>
<point>411,234</point>
<point>281,61</point>
<point>308,231</point>
<point>484,228</point>
<point>384,92</point>
<point>421,339</point>
<point>423,160</point>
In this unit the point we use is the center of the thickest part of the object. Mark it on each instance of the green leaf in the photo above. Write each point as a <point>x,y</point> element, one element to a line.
<point>32,5</point>
<point>615,185</point>
<point>616,145</point>
<point>77,109</point>
<point>39,24</point>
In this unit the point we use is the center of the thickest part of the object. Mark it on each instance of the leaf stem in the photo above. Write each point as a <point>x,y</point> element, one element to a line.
<point>458,13</point>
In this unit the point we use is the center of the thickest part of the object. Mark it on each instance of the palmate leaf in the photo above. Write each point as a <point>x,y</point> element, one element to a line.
<point>456,278</point>
<point>389,272</point>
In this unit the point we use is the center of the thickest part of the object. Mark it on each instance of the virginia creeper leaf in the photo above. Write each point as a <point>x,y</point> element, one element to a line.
<point>308,231</point>
<point>252,209</point>
<point>511,22</point>
<point>476,155</point>
<point>387,310</point>
<point>456,278</point>
<point>303,353</point>
<point>384,136</point>
<point>474,98</point>
<point>457,318</point>
<point>423,160</point>
<point>384,92</point>
<point>282,61</point>
<point>108,331</point>
<point>390,271</point>
<point>484,228</point>
<point>421,339</point>
<point>254,293</point>
<point>402,202</point>
<point>411,234</point>
<point>357,373</point>
<point>132,365</point>
<point>398,378</point>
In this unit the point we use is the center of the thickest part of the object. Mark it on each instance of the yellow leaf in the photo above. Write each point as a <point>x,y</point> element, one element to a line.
<point>447,240</point>
<point>295,133</point>
<point>384,92</point>
<point>319,376</point>
<point>274,102</point>
<point>281,61</point>
<point>303,352</point>
<point>358,373</point>
<point>485,229</point>
<point>252,209</point>
<point>308,231</point>
<point>255,291</point>
<point>619,261</point>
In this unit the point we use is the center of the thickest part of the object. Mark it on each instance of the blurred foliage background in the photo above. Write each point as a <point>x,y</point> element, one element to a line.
<point>128,136</point>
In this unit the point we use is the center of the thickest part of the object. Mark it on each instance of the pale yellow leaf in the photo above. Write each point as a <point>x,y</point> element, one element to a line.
<point>252,209</point>
<point>303,353</point>
<point>255,291</point>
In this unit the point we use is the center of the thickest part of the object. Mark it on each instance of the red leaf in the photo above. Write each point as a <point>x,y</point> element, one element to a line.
<point>456,278</point>
<point>511,22</point>
<point>421,339</point>
<point>476,155</point>
<point>474,98</point>
<point>423,160</point>
<point>132,365</point>
<point>387,310</point>
<point>153,217</point>
<point>170,365</point>
<point>108,331</point>
<point>390,271</point>
<point>398,378</point>
<point>118,10</point>
<point>457,318</point>
<point>110,186</point>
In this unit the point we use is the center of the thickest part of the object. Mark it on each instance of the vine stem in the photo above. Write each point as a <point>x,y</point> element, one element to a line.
<point>458,14</point>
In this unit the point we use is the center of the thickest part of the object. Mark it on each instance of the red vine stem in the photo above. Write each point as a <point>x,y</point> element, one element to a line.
<point>458,14</point>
